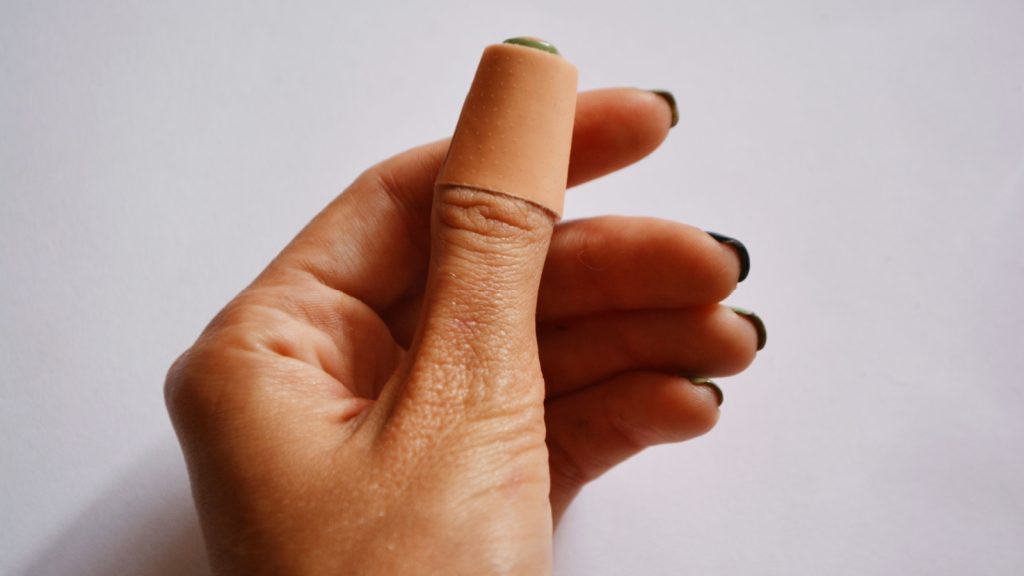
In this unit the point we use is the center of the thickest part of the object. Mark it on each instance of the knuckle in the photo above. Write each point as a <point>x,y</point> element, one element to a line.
<point>252,320</point>
<point>189,390</point>
<point>238,312</point>
<point>492,220</point>
<point>207,387</point>
<point>199,387</point>
<point>174,384</point>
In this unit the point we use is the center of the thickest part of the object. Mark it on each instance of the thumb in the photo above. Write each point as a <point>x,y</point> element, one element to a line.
<point>496,201</point>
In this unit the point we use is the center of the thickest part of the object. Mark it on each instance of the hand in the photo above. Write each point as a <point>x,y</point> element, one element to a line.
<point>401,393</point>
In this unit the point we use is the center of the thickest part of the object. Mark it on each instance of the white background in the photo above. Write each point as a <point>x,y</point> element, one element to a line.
<point>154,155</point>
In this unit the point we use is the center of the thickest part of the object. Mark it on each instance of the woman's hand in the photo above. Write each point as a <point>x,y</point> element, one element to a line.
<point>402,393</point>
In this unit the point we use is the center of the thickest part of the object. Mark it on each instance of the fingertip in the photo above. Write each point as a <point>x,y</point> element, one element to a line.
<point>739,349</point>
<point>715,264</point>
<point>738,249</point>
<point>712,387</point>
<point>663,408</point>
<point>690,409</point>
<point>592,430</point>
<point>614,128</point>
<point>756,322</point>
<point>673,107</point>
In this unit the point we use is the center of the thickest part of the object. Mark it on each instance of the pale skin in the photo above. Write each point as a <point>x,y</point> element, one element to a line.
<point>420,383</point>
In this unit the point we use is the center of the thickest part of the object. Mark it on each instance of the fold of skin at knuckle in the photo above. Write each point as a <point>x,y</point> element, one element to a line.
<point>491,270</point>
<point>225,374</point>
<point>284,296</point>
<point>270,320</point>
<point>490,222</point>
<point>323,327</point>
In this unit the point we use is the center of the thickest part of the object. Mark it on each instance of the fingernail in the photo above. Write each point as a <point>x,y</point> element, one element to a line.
<point>671,104</point>
<point>762,332</point>
<point>740,249</point>
<point>530,42</point>
<point>719,396</point>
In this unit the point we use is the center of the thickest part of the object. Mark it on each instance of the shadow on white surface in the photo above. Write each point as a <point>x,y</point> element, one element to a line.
<point>142,524</point>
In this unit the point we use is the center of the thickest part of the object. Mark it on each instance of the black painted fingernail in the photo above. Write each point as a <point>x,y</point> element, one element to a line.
<point>533,43</point>
<point>740,249</point>
<point>762,332</point>
<point>671,104</point>
<point>719,396</point>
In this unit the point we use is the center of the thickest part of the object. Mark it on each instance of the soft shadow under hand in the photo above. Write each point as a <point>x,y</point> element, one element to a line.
<point>143,524</point>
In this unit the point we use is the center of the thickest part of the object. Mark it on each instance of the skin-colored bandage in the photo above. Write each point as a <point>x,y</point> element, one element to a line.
<point>515,130</point>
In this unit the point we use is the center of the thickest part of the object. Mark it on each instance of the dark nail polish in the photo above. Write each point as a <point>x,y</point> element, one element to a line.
<point>719,396</point>
<point>533,43</point>
<point>671,103</point>
<point>762,332</point>
<point>740,249</point>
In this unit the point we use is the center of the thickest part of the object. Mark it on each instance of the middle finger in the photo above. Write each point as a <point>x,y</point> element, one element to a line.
<point>631,263</point>
<point>702,341</point>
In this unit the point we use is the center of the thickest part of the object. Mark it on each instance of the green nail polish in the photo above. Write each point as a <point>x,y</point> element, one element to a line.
<point>762,332</point>
<point>719,395</point>
<point>533,43</point>
<point>671,103</point>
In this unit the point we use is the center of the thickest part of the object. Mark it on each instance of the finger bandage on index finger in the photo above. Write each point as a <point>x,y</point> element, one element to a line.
<point>515,131</point>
